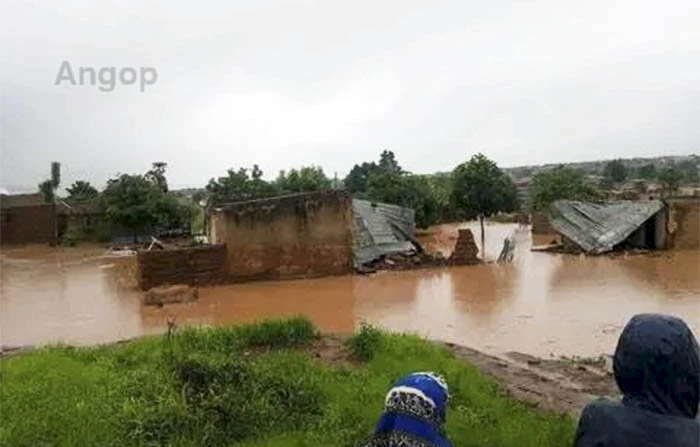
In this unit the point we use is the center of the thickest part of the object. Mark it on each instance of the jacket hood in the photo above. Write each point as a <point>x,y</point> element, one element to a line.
<point>657,365</point>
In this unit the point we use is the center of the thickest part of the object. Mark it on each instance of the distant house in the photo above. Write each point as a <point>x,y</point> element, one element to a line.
<point>83,217</point>
<point>27,219</point>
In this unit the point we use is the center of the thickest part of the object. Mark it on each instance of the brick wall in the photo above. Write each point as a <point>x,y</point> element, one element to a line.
<point>540,223</point>
<point>196,266</point>
<point>35,224</point>
<point>286,237</point>
<point>684,223</point>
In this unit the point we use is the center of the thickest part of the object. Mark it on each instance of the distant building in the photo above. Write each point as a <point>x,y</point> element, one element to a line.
<point>27,219</point>
<point>85,218</point>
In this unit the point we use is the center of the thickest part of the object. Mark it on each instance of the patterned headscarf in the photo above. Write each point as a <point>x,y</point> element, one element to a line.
<point>414,415</point>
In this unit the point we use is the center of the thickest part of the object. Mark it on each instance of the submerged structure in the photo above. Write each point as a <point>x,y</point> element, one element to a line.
<point>599,228</point>
<point>381,229</point>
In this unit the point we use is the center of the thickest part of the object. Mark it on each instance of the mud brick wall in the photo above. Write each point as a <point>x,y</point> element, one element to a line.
<point>466,252</point>
<point>195,266</point>
<point>684,223</point>
<point>294,236</point>
<point>34,224</point>
<point>540,223</point>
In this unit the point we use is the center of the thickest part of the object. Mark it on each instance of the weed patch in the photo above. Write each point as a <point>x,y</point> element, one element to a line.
<point>365,343</point>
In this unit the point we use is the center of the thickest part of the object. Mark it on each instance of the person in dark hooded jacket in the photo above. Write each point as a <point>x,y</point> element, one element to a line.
<point>657,368</point>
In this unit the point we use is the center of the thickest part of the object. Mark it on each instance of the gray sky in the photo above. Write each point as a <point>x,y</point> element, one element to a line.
<point>285,84</point>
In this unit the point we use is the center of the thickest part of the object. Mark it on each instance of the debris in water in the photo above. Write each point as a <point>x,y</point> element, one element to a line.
<point>158,296</point>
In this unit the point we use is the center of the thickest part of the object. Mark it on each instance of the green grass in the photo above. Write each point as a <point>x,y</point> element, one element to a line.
<point>245,386</point>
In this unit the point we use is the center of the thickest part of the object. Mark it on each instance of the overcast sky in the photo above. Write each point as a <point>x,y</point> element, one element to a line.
<point>332,83</point>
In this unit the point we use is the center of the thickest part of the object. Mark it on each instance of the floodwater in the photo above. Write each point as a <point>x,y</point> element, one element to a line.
<point>542,304</point>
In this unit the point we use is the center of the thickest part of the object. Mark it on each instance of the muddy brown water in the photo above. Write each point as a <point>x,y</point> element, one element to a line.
<point>542,304</point>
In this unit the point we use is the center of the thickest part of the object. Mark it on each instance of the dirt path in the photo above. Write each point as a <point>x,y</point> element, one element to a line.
<point>561,386</point>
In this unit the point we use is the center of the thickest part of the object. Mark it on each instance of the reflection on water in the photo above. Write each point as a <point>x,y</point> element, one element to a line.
<point>540,304</point>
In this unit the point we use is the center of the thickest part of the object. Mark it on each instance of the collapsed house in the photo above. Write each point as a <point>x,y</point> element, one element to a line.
<point>298,236</point>
<point>380,230</point>
<point>599,228</point>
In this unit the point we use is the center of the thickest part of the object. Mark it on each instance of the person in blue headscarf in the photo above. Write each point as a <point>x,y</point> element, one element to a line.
<point>657,368</point>
<point>414,414</point>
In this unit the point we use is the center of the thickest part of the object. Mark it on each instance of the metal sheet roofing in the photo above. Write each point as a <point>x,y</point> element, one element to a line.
<point>598,228</point>
<point>375,230</point>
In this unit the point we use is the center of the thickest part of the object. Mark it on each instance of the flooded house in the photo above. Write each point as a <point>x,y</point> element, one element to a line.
<point>596,228</point>
<point>286,236</point>
<point>295,236</point>
<point>381,229</point>
<point>27,219</point>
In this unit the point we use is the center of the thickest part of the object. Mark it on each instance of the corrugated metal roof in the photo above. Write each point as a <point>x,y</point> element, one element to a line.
<point>373,232</point>
<point>598,228</point>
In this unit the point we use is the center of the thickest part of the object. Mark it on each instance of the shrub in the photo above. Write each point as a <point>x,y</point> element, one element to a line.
<point>365,343</point>
<point>71,237</point>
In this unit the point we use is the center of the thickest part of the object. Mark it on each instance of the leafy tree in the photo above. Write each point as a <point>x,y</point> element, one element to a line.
<point>481,188</point>
<point>560,183</point>
<point>441,190</point>
<point>689,170</point>
<point>81,190</point>
<point>615,170</point>
<point>308,178</point>
<point>237,185</point>
<point>134,202</point>
<point>387,182</point>
<point>407,190</point>
<point>175,212</point>
<point>356,181</point>
<point>647,171</point>
<point>157,175</point>
<point>388,163</point>
<point>671,177</point>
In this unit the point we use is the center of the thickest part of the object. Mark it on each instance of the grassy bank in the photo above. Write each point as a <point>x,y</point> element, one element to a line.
<point>251,385</point>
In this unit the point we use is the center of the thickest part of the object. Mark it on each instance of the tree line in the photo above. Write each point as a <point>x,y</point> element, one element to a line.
<point>475,189</point>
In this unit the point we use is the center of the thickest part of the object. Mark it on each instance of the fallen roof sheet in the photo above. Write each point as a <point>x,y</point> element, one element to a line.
<point>598,228</point>
<point>379,229</point>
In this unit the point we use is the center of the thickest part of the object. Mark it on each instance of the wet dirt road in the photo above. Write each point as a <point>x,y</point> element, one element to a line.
<point>540,304</point>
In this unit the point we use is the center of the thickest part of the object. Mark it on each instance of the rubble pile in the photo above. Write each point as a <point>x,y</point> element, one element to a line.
<point>465,251</point>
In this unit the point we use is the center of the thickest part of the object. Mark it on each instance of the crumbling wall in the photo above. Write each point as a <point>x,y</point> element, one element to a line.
<point>35,224</point>
<point>195,266</point>
<point>684,223</point>
<point>540,223</point>
<point>286,237</point>
<point>465,251</point>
